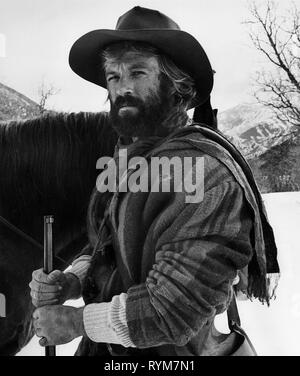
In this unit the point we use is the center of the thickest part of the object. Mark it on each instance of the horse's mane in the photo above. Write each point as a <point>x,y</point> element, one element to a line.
<point>48,164</point>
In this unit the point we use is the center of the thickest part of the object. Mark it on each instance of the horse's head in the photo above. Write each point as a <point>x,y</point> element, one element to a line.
<point>47,166</point>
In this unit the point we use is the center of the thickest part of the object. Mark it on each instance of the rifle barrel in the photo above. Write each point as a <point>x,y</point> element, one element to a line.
<point>48,261</point>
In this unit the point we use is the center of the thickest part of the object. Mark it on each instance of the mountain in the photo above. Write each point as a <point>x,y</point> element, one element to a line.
<point>271,147</point>
<point>253,128</point>
<point>16,106</point>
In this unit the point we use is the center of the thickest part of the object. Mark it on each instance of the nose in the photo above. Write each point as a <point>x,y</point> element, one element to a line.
<point>125,86</point>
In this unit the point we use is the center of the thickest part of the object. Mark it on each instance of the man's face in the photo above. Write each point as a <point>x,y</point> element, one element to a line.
<point>136,96</point>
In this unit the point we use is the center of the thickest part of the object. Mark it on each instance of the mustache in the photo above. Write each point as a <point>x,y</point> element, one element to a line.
<point>127,100</point>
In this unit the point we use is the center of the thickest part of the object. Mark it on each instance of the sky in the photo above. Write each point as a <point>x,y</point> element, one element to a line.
<point>36,36</point>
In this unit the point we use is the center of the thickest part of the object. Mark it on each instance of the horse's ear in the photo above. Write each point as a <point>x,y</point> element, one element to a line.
<point>206,115</point>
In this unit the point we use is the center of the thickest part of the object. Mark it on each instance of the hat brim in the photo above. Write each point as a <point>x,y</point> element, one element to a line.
<point>185,51</point>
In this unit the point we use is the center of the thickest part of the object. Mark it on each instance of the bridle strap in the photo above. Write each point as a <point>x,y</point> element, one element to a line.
<point>26,237</point>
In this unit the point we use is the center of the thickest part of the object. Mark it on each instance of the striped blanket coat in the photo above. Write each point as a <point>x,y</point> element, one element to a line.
<point>177,260</point>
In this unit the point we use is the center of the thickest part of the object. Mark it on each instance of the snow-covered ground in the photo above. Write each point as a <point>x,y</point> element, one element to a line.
<point>274,330</point>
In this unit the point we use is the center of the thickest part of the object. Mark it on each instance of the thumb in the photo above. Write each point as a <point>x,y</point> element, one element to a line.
<point>55,276</point>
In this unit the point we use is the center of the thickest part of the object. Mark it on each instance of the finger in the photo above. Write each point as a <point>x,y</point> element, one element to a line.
<point>43,300</point>
<point>42,287</point>
<point>36,314</point>
<point>35,303</point>
<point>39,276</point>
<point>38,303</point>
<point>39,332</point>
<point>55,276</point>
<point>35,323</point>
<point>44,295</point>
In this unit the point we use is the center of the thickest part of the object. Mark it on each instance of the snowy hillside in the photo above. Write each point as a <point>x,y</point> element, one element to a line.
<point>253,128</point>
<point>16,106</point>
<point>273,330</point>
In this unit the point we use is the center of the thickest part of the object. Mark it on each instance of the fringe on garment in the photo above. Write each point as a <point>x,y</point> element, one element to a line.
<point>262,287</point>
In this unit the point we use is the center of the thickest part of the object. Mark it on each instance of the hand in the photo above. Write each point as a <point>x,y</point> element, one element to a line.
<point>58,324</point>
<point>53,288</point>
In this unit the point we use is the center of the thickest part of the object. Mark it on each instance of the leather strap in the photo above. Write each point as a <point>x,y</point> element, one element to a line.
<point>234,323</point>
<point>233,316</point>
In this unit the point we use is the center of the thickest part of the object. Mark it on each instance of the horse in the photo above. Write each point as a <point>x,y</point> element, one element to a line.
<point>47,167</point>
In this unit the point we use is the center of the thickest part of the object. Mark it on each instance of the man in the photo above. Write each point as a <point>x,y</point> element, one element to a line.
<point>159,267</point>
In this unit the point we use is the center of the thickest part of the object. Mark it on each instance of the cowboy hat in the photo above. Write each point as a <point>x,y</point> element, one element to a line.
<point>148,26</point>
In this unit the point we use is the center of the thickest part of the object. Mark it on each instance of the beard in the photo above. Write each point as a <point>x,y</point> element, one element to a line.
<point>149,116</point>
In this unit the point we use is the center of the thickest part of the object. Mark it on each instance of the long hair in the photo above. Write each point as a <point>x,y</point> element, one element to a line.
<point>182,84</point>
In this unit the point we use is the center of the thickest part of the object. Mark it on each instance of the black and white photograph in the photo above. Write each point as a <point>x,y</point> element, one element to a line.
<point>149,180</point>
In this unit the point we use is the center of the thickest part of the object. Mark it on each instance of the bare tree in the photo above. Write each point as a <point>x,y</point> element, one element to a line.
<point>278,39</point>
<point>45,92</point>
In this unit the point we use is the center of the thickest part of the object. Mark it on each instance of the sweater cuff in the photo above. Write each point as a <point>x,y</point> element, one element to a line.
<point>106,322</point>
<point>80,267</point>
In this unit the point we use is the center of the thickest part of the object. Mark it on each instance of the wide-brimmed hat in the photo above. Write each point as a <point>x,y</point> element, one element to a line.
<point>148,26</point>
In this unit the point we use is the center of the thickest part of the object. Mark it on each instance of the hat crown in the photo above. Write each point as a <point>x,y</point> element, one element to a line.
<point>139,18</point>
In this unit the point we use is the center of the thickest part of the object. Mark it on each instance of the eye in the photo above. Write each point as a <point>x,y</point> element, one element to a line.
<point>138,73</point>
<point>112,78</point>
